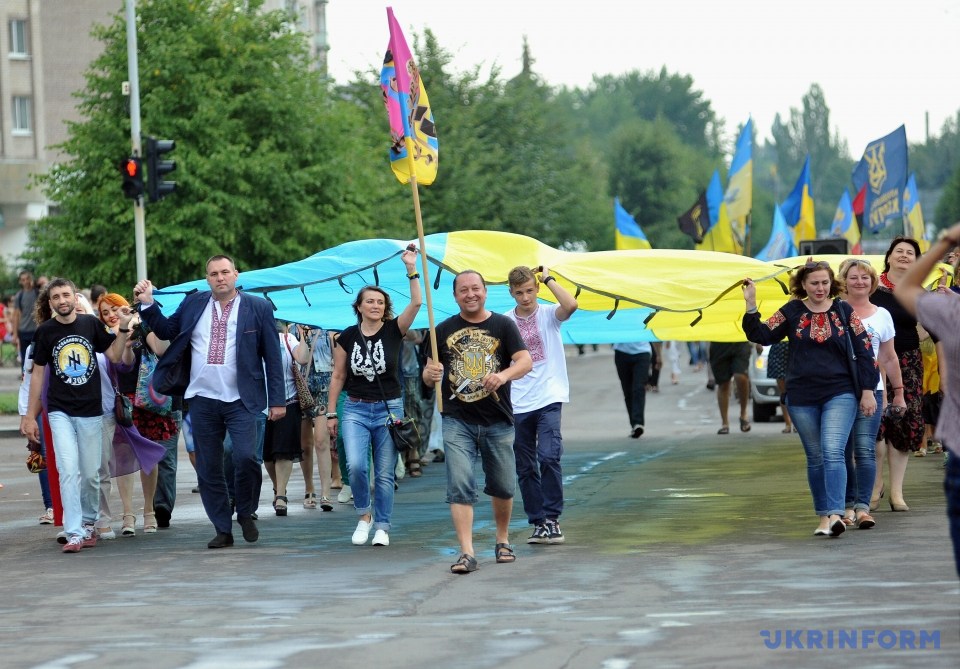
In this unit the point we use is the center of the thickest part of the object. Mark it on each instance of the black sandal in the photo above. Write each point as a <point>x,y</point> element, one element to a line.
<point>504,553</point>
<point>280,504</point>
<point>465,565</point>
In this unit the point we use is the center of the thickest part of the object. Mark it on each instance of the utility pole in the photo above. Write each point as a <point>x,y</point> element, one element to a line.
<point>133,75</point>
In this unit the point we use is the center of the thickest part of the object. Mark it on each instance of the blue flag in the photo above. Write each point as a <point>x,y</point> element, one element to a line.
<point>883,169</point>
<point>781,243</point>
<point>628,233</point>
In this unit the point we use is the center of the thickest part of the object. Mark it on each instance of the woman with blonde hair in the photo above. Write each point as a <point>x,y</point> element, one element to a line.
<point>859,280</point>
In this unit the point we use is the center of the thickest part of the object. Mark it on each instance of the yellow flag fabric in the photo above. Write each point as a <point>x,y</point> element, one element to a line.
<point>721,236</point>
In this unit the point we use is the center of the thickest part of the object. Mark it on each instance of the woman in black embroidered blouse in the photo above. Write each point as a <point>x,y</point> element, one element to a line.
<point>823,394</point>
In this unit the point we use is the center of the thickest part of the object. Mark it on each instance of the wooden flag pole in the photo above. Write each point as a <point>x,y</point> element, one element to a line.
<point>424,265</point>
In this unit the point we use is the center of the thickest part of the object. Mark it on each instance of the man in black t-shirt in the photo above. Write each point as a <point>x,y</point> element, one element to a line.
<point>68,343</point>
<point>480,353</point>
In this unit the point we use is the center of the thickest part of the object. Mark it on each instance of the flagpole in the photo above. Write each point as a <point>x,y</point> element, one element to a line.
<point>424,265</point>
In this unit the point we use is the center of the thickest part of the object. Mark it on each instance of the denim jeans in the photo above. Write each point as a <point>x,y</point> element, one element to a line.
<point>634,372</point>
<point>824,430</point>
<point>212,420</point>
<point>166,495</point>
<point>951,488</point>
<point>537,447</point>
<point>463,444</point>
<point>76,443</point>
<point>43,476</point>
<point>861,457</point>
<point>364,425</point>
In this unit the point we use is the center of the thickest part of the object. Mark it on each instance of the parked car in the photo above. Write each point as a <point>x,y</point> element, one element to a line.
<point>763,391</point>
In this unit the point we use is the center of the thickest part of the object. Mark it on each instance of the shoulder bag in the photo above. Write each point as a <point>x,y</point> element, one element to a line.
<point>851,350</point>
<point>147,397</point>
<point>402,430</point>
<point>122,406</point>
<point>304,396</point>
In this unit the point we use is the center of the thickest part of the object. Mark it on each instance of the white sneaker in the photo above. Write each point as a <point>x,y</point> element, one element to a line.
<point>381,538</point>
<point>47,517</point>
<point>62,537</point>
<point>106,533</point>
<point>345,495</point>
<point>361,533</point>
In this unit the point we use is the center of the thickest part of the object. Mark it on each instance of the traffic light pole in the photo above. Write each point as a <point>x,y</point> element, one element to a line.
<point>133,75</point>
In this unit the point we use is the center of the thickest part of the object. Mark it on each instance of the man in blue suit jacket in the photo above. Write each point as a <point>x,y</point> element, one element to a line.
<point>221,343</point>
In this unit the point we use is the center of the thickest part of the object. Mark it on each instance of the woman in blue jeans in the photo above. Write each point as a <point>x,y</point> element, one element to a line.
<point>824,385</point>
<point>366,363</point>
<point>859,279</point>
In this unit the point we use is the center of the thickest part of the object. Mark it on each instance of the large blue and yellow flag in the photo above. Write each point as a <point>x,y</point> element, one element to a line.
<point>797,208</point>
<point>781,244</point>
<point>413,136</point>
<point>720,236</point>
<point>883,170</point>
<point>845,224</point>
<point>739,195</point>
<point>913,216</point>
<point>628,233</point>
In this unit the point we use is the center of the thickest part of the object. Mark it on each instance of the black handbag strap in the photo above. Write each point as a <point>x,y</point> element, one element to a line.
<point>851,349</point>
<point>383,395</point>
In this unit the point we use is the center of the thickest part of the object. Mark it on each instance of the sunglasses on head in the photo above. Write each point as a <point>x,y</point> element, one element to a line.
<point>818,264</point>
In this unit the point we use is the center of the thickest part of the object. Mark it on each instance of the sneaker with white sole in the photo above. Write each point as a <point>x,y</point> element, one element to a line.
<point>361,534</point>
<point>555,535</point>
<point>345,495</point>
<point>89,536</point>
<point>47,517</point>
<point>73,546</point>
<point>106,533</point>
<point>381,538</point>
<point>541,535</point>
<point>62,537</point>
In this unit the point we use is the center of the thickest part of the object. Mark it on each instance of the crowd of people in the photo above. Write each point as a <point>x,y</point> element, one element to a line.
<point>118,380</point>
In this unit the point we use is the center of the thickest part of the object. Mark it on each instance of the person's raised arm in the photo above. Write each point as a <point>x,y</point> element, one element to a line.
<point>119,345</point>
<point>910,286</point>
<point>568,303</point>
<point>405,319</point>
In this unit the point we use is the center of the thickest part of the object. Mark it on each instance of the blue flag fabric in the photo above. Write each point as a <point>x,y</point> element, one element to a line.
<point>781,243</point>
<point>628,233</point>
<point>885,164</point>
<point>714,198</point>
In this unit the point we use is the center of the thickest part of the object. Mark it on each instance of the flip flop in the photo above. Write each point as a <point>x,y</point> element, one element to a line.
<point>744,425</point>
<point>724,430</point>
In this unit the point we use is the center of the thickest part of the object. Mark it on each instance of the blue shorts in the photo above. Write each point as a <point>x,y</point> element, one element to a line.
<point>463,444</point>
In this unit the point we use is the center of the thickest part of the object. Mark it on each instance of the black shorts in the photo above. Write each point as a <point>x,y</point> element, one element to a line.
<point>727,359</point>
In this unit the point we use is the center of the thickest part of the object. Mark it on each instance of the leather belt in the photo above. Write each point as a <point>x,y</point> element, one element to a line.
<point>359,399</point>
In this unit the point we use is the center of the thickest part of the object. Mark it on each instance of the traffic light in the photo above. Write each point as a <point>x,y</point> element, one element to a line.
<point>157,188</point>
<point>132,170</point>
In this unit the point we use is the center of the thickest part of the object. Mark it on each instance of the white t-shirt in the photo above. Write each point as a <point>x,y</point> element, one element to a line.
<point>547,382</point>
<point>880,328</point>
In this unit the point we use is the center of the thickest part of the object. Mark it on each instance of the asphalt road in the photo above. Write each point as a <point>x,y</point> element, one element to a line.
<point>684,549</point>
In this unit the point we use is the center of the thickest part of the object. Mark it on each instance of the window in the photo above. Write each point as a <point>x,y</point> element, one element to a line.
<point>18,37</point>
<point>21,115</point>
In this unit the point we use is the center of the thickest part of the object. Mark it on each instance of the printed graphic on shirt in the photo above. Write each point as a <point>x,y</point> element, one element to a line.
<point>73,360</point>
<point>368,363</point>
<point>530,332</point>
<point>472,357</point>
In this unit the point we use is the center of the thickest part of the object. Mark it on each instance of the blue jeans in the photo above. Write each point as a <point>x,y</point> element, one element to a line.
<point>951,488</point>
<point>537,447</point>
<point>463,444</point>
<point>364,424</point>
<point>824,430</point>
<point>634,372</point>
<point>43,476</point>
<point>861,458</point>
<point>166,495</point>
<point>212,420</point>
<point>76,443</point>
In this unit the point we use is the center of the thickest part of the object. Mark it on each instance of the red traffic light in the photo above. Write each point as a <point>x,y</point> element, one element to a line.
<point>132,170</point>
<point>132,167</point>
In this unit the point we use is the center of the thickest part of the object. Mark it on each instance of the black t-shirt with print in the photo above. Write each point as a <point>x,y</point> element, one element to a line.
<point>468,352</point>
<point>379,358</point>
<point>69,349</point>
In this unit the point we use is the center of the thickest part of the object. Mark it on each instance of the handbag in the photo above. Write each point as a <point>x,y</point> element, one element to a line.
<point>35,461</point>
<point>403,430</point>
<point>122,406</point>
<point>146,396</point>
<point>304,396</point>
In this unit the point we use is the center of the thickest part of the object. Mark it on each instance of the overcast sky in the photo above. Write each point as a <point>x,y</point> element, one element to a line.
<point>881,63</point>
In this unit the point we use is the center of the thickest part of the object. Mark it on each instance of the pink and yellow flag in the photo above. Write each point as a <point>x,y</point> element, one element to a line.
<point>414,148</point>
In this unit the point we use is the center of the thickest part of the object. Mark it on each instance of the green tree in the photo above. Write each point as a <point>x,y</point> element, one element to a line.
<point>270,166</point>
<point>948,208</point>
<point>936,159</point>
<point>808,132</point>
